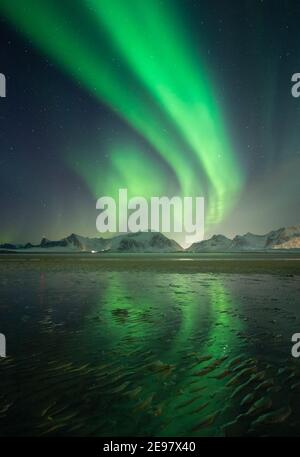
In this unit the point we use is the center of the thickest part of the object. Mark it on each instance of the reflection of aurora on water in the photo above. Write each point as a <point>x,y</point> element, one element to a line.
<point>179,311</point>
<point>222,331</point>
<point>153,331</point>
<point>140,352</point>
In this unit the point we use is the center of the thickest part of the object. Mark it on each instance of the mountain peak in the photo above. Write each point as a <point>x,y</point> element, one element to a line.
<point>150,241</point>
<point>128,242</point>
<point>283,238</point>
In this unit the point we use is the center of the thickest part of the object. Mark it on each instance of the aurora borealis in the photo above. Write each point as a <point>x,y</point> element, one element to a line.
<point>162,97</point>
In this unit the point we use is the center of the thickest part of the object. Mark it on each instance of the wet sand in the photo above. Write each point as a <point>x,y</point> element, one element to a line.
<point>149,345</point>
<point>266,263</point>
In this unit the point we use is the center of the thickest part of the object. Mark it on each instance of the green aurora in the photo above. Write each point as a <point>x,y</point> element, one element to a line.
<point>162,90</point>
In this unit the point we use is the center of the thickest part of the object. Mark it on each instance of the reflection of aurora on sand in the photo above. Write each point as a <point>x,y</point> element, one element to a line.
<point>161,339</point>
<point>141,352</point>
<point>222,331</point>
<point>208,314</point>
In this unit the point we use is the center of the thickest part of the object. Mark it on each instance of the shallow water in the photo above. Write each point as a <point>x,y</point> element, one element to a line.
<point>98,351</point>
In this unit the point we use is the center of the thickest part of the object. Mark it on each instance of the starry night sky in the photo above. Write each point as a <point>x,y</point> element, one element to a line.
<point>64,142</point>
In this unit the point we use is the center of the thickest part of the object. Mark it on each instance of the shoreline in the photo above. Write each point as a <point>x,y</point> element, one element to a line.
<point>245,263</point>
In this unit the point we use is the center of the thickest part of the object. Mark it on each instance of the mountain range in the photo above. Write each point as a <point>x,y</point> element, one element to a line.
<point>129,242</point>
<point>283,238</point>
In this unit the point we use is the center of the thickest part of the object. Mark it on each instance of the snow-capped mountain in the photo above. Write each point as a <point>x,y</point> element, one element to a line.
<point>142,242</point>
<point>217,243</point>
<point>76,243</point>
<point>283,238</point>
<point>130,242</point>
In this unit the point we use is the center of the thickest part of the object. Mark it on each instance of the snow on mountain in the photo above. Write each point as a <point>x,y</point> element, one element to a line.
<point>249,241</point>
<point>86,244</point>
<point>218,243</point>
<point>294,243</point>
<point>143,242</point>
<point>283,238</point>
<point>130,242</point>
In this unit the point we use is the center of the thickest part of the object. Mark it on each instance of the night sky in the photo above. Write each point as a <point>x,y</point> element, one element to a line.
<point>164,97</point>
